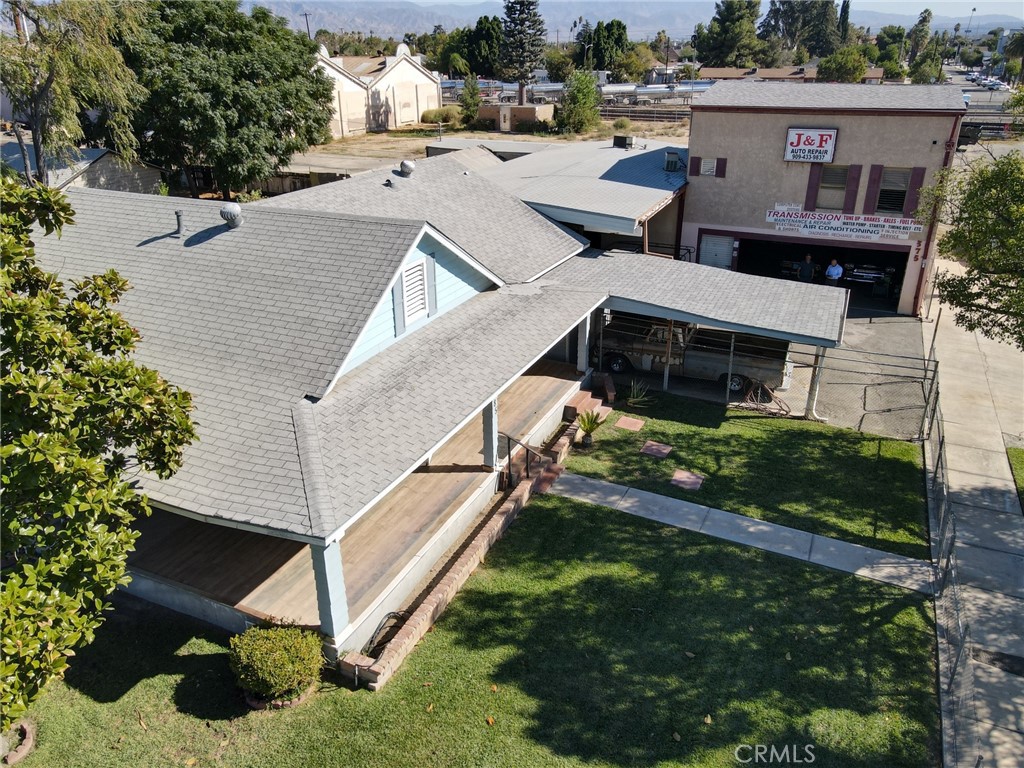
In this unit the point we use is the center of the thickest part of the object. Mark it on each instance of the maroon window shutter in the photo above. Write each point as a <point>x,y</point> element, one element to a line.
<point>913,192</point>
<point>874,184</point>
<point>720,167</point>
<point>852,185</point>
<point>695,166</point>
<point>813,182</point>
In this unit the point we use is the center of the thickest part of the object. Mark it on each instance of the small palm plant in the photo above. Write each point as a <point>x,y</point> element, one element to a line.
<point>589,422</point>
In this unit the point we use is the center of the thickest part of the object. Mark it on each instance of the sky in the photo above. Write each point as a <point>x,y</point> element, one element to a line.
<point>892,6</point>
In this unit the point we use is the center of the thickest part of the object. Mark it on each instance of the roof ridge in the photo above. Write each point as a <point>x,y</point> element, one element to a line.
<point>319,500</point>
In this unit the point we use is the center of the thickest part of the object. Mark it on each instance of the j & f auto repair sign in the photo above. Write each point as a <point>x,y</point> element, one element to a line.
<point>811,145</point>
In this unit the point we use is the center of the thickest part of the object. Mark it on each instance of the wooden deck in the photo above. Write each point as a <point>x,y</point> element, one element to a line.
<point>271,577</point>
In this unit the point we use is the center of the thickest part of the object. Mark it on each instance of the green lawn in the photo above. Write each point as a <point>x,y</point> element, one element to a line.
<point>1016,456</point>
<point>610,639</point>
<point>835,482</point>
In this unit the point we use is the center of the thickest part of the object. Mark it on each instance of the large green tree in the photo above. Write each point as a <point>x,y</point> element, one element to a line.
<point>470,100</point>
<point>238,93</point>
<point>822,27</point>
<point>983,208</point>
<point>730,40</point>
<point>845,66</point>
<point>578,112</point>
<point>919,35</point>
<point>484,46</point>
<point>81,418</point>
<point>60,63</point>
<point>523,43</point>
<point>844,22</point>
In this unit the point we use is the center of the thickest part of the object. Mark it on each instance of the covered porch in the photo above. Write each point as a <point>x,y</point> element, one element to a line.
<point>234,577</point>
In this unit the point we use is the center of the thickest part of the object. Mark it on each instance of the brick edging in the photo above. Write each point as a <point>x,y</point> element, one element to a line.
<point>376,672</point>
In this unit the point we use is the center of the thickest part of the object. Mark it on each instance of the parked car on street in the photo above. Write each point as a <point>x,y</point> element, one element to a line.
<point>634,342</point>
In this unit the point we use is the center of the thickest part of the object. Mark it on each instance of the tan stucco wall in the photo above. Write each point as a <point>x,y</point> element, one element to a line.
<point>107,173</point>
<point>349,105</point>
<point>757,177</point>
<point>402,95</point>
<point>661,229</point>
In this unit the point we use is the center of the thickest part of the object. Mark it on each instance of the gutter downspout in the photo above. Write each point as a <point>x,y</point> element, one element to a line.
<point>946,162</point>
<point>812,394</point>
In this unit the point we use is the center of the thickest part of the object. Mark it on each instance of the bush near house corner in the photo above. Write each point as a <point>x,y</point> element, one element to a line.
<point>275,662</point>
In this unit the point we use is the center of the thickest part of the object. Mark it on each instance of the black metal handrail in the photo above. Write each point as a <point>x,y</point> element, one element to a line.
<point>508,452</point>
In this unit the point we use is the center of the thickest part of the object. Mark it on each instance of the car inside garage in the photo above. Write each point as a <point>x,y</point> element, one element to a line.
<point>873,276</point>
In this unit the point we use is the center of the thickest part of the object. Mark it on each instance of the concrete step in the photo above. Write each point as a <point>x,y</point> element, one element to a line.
<point>582,401</point>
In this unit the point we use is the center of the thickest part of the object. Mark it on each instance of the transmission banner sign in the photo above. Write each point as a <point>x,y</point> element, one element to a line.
<point>847,226</point>
<point>811,145</point>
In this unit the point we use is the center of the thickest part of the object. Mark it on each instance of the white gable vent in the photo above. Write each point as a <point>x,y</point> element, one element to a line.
<point>414,291</point>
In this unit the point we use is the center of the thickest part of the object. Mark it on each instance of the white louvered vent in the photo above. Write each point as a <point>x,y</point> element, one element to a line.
<point>708,166</point>
<point>414,291</point>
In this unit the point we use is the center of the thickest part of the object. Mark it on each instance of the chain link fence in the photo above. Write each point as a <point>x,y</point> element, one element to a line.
<point>962,740</point>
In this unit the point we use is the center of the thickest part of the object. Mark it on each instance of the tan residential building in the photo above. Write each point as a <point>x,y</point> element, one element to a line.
<point>351,102</point>
<point>781,170</point>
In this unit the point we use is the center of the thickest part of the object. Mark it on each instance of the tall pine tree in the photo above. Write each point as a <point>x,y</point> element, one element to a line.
<point>822,25</point>
<point>730,40</point>
<point>844,22</point>
<point>522,48</point>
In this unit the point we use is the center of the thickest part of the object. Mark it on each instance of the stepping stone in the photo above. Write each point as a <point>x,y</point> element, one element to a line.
<point>687,480</point>
<point>658,450</point>
<point>628,422</point>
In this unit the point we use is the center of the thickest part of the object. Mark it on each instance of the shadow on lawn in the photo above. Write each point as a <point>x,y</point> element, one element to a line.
<point>139,641</point>
<point>602,610</point>
<point>837,483</point>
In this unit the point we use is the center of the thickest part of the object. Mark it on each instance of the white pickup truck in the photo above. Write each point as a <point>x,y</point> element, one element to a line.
<point>634,342</point>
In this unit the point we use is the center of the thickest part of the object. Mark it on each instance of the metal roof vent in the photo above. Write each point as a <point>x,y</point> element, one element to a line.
<point>407,167</point>
<point>671,161</point>
<point>232,214</point>
<point>180,216</point>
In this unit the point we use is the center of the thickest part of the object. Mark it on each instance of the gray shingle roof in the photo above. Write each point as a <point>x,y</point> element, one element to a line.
<point>594,177</point>
<point>784,309</point>
<point>382,418</point>
<point>508,237</point>
<point>831,96</point>
<point>249,320</point>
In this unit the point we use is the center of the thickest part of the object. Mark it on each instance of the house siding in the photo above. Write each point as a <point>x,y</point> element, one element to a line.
<point>108,173</point>
<point>454,282</point>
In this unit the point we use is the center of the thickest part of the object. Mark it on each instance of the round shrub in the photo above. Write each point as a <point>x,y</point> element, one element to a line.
<point>451,114</point>
<point>276,662</point>
<point>622,124</point>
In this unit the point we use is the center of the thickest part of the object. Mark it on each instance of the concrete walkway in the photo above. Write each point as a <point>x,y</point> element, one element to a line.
<point>982,400</point>
<point>839,555</point>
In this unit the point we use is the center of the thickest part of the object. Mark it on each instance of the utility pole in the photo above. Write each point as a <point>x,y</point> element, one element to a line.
<point>307,26</point>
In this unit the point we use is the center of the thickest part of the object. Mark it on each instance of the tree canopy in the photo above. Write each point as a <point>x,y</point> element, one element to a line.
<point>523,42</point>
<point>81,417</point>
<point>238,93</point>
<point>62,63</point>
<point>984,209</point>
<point>730,40</point>
<point>578,112</point>
<point>470,100</point>
<point>845,66</point>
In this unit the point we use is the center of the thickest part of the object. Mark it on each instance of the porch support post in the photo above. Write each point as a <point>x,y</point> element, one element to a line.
<point>331,600</point>
<point>491,434</point>
<point>583,344</point>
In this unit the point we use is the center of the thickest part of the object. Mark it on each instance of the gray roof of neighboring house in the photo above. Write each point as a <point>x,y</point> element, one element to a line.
<point>249,320</point>
<point>382,419</point>
<point>506,236</point>
<point>476,158</point>
<point>62,170</point>
<point>831,97</point>
<point>497,146</point>
<point>594,178</point>
<point>784,309</point>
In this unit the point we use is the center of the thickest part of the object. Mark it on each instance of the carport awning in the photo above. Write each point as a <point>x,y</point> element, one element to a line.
<point>695,293</point>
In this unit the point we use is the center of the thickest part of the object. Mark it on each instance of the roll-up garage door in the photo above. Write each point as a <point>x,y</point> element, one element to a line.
<point>716,251</point>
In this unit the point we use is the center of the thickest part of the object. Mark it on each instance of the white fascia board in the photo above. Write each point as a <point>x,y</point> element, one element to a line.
<point>276,533</point>
<point>592,222</point>
<point>655,310</point>
<point>459,252</point>
<point>335,535</point>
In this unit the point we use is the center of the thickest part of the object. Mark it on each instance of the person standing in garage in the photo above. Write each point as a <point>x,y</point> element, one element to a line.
<point>833,272</point>
<point>805,272</point>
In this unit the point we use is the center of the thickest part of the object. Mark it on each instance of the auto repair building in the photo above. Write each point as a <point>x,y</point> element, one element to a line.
<point>779,170</point>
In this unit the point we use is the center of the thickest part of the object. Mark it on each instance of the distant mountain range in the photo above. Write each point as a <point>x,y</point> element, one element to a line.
<point>393,18</point>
